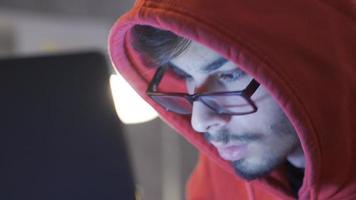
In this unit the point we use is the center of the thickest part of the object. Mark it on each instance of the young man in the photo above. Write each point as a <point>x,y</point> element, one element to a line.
<point>250,84</point>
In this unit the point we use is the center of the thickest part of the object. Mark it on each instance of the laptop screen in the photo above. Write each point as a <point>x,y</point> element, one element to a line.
<point>60,137</point>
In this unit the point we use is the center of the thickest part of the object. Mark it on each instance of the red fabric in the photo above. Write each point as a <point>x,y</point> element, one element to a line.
<point>302,51</point>
<point>210,182</point>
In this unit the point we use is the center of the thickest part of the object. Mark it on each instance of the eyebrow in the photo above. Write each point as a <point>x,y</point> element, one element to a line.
<point>216,64</point>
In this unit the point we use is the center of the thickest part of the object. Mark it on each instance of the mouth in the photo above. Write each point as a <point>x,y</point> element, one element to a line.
<point>233,152</point>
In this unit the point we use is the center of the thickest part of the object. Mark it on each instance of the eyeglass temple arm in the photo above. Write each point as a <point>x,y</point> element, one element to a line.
<point>251,88</point>
<point>156,78</point>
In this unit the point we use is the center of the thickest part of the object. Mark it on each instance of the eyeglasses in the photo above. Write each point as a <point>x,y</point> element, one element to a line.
<point>229,103</point>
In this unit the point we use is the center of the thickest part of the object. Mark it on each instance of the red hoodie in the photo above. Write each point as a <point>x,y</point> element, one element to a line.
<point>303,52</point>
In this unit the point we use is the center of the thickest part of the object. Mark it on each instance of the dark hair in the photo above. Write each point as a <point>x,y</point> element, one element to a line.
<point>157,46</point>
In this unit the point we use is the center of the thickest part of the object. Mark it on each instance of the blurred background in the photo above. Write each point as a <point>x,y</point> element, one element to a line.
<point>162,161</point>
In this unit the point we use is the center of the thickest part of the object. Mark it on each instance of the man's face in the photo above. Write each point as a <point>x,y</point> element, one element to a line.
<point>254,143</point>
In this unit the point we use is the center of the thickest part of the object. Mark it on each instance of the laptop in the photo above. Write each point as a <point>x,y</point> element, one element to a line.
<point>60,137</point>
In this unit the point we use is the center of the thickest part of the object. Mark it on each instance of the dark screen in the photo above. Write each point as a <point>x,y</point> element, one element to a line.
<point>60,137</point>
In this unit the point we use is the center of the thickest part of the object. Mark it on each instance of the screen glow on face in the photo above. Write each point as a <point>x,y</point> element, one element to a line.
<point>255,143</point>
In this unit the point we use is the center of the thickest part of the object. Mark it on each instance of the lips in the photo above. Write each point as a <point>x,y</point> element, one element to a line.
<point>233,153</point>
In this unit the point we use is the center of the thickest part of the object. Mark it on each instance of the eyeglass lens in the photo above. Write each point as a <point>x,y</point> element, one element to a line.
<point>218,103</point>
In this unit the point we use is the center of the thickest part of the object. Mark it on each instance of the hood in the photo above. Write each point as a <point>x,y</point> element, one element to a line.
<point>303,52</point>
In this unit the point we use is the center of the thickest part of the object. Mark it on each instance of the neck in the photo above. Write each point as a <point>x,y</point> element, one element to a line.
<point>296,158</point>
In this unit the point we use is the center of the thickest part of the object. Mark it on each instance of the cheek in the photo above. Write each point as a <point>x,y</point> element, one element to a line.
<point>267,116</point>
<point>272,145</point>
<point>264,100</point>
<point>268,111</point>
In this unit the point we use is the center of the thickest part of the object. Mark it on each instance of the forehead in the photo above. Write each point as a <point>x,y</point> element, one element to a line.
<point>194,58</point>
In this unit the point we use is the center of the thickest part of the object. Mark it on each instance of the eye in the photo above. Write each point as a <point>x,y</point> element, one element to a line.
<point>231,75</point>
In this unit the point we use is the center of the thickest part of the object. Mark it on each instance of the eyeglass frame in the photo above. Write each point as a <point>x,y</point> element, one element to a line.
<point>246,93</point>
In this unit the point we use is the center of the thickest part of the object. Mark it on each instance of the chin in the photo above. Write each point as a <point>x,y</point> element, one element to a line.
<point>251,170</point>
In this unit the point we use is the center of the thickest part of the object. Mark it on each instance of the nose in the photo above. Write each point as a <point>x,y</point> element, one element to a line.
<point>206,120</point>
